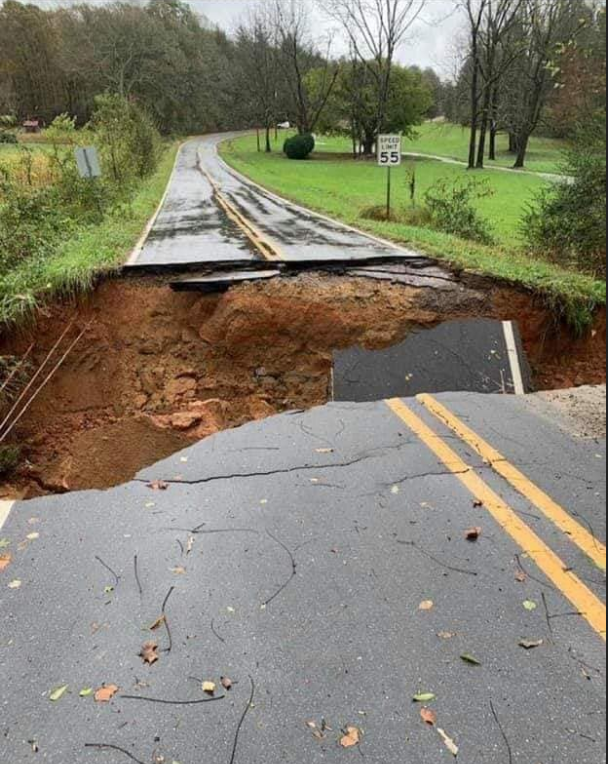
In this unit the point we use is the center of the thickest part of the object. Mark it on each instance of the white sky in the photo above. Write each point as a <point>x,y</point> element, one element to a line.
<point>431,41</point>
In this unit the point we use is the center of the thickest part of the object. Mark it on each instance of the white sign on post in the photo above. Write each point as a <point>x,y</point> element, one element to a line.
<point>389,150</point>
<point>88,163</point>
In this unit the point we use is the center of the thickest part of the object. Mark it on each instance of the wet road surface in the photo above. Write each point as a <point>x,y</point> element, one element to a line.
<point>320,560</point>
<point>214,215</point>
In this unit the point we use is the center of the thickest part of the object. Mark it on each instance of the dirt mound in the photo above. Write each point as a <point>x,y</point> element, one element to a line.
<point>158,370</point>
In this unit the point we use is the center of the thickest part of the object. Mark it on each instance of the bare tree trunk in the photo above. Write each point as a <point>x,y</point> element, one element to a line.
<point>522,151</point>
<point>474,116</point>
<point>494,126</point>
<point>268,141</point>
<point>483,130</point>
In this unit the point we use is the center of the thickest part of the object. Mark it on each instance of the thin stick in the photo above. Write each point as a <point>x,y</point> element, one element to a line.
<point>46,381</point>
<point>36,375</point>
<point>109,569</point>
<point>166,620</point>
<point>547,614</point>
<point>108,747</point>
<point>437,561</point>
<point>294,569</point>
<point>242,721</point>
<point>502,732</point>
<point>173,702</point>
<point>137,579</point>
<point>215,632</point>
<point>17,369</point>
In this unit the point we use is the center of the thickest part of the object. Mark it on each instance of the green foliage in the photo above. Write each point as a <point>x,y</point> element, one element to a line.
<point>128,140</point>
<point>8,138</point>
<point>9,458</point>
<point>568,223</point>
<point>452,209</point>
<point>299,147</point>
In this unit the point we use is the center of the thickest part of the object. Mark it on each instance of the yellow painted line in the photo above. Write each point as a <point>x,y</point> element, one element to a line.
<point>582,598</point>
<point>585,540</point>
<point>269,250</point>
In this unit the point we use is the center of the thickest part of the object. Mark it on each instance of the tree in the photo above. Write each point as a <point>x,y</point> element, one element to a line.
<point>352,107</point>
<point>298,57</point>
<point>258,58</point>
<point>376,29</point>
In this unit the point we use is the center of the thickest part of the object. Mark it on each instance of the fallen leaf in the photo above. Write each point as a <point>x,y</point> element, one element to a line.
<point>106,693</point>
<point>158,623</point>
<point>478,503</point>
<point>529,644</point>
<point>108,590</point>
<point>86,693</point>
<point>449,743</point>
<point>351,738</point>
<point>59,693</point>
<point>521,577</point>
<point>209,688</point>
<point>33,537</point>
<point>5,561</point>
<point>446,635</point>
<point>471,660</point>
<point>179,571</point>
<point>424,697</point>
<point>395,490</point>
<point>227,683</point>
<point>149,653</point>
<point>4,543</point>
<point>530,606</point>
<point>325,450</point>
<point>158,485</point>
<point>426,605</point>
<point>16,584</point>
<point>190,545</point>
<point>473,534</point>
<point>429,716</point>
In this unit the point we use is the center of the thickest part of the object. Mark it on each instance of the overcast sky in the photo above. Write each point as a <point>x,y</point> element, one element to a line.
<point>431,41</point>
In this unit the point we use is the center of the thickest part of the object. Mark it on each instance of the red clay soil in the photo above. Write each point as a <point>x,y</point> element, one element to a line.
<point>159,370</point>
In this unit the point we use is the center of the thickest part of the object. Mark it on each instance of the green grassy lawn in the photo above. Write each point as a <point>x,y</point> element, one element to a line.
<point>93,250</point>
<point>452,142</point>
<point>344,188</point>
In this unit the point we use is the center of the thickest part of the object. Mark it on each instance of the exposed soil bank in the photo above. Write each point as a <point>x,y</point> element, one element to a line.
<point>158,370</point>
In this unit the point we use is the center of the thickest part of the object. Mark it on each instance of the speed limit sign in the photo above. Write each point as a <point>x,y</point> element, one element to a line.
<point>389,150</point>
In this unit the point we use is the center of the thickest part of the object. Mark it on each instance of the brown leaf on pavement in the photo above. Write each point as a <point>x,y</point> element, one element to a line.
<point>5,561</point>
<point>227,683</point>
<point>351,738</point>
<point>429,716</point>
<point>473,534</point>
<point>158,485</point>
<point>426,605</point>
<point>529,644</point>
<point>521,577</point>
<point>149,653</point>
<point>158,623</point>
<point>106,693</point>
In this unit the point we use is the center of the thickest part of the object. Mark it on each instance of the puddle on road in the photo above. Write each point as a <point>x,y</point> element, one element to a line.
<point>159,370</point>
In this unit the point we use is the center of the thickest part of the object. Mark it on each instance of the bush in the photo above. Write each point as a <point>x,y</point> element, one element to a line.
<point>568,222</point>
<point>452,209</point>
<point>9,459</point>
<point>299,147</point>
<point>6,137</point>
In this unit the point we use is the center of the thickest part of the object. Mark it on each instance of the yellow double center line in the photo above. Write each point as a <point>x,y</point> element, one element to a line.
<point>268,249</point>
<point>584,600</point>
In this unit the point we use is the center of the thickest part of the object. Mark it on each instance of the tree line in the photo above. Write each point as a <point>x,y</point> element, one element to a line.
<point>528,66</point>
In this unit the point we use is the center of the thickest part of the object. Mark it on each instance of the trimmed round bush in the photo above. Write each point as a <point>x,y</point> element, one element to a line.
<point>299,147</point>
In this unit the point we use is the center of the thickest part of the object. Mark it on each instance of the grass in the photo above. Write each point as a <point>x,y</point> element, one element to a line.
<point>344,189</point>
<point>452,142</point>
<point>92,251</point>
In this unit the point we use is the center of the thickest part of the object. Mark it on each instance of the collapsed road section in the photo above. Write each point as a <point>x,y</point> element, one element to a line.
<point>158,369</point>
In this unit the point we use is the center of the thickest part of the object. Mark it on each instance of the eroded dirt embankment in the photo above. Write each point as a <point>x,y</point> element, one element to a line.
<point>158,370</point>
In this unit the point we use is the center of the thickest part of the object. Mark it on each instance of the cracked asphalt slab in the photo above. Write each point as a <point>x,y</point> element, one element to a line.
<point>194,229</point>
<point>296,553</point>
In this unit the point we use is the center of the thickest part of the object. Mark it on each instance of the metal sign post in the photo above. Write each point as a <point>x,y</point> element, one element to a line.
<point>389,156</point>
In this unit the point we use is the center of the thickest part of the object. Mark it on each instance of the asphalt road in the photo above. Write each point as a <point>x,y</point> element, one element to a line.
<point>214,215</point>
<point>320,561</point>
